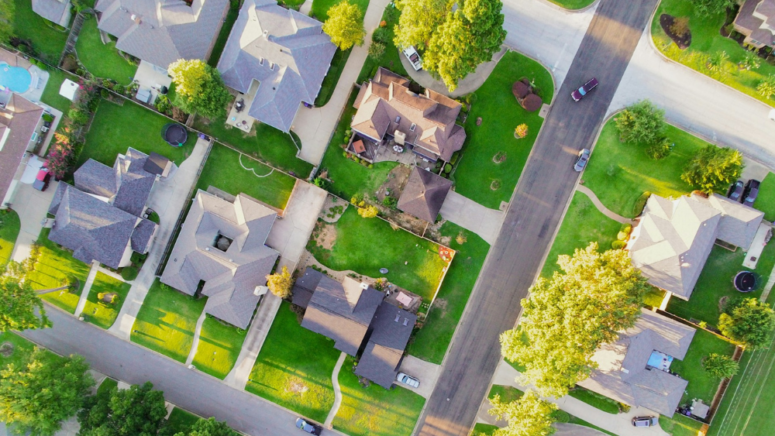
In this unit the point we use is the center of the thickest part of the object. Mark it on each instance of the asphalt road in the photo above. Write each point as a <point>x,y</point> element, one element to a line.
<point>536,209</point>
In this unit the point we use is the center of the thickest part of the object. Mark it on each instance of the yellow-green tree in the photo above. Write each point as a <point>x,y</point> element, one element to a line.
<point>199,88</point>
<point>345,25</point>
<point>368,211</point>
<point>527,416</point>
<point>419,19</point>
<point>280,283</point>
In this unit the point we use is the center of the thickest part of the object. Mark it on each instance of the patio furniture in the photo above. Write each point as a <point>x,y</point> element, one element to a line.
<point>398,149</point>
<point>700,409</point>
<point>239,105</point>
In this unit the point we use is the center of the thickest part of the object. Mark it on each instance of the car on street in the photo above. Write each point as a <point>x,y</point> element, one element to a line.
<point>308,427</point>
<point>408,380</point>
<point>750,192</point>
<point>42,179</point>
<point>414,57</point>
<point>736,191</point>
<point>581,162</point>
<point>578,94</point>
<point>645,421</point>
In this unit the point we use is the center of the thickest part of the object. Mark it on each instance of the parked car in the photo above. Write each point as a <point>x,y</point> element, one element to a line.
<point>408,380</point>
<point>581,162</point>
<point>578,94</point>
<point>308,427</point>
<point>414,58</point>
<point>645,421</point>
<point>751,192</point>
<point>42,179</point>
<point>736,191</point>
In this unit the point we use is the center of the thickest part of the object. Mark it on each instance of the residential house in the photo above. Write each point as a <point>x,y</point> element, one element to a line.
<point>20,120</point>
<point>388,109</point>
<point>276,58</point>
<point>424,194</point>
<point>390,329</point>
<point>56,11</point>
<point>674,238</point>
<point>635,370</point>
<point>756,20</point>
<point>220,253</point>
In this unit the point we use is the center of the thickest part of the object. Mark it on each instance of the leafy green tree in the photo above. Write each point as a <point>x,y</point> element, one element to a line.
<point>199,88</point>
<point>641,123</point>
<point>766,87</point>
<point>7,13</point>
<point>749,322</point>
<point>209,427</point>
<point>719,365</point>
<point>345,25</point>
<point>566,318</point>
<point>709,8</point>
<point>713,169</point>
<point>20,307</point>
<point>280,283</point>
<point>419,19</point>
<point>527,416</point>
<point>42,391</point>
<point>137,411</point>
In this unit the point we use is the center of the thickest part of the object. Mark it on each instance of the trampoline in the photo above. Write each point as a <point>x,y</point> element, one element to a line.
<point>175,134</point>
<point>745,281</point>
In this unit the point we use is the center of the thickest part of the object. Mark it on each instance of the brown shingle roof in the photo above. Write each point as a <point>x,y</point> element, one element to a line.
<point>424,194</point>
<point>18,120</point>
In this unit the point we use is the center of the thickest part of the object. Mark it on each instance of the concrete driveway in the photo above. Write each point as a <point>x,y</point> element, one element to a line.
<point>32,206</point>
<point>426,372</point>
<point>472,216</point>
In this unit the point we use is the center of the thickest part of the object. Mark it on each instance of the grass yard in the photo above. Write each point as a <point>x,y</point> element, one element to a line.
<point>619,173</point>
<point>478,175</point>
<point>375,411</point>
<point>166,321</point>
<point>293,4</point>
<point>765,202</point>
<point>706,41</point>
<point>294,367</point>
<point>29,26</point>
<point>225,169</point>
<point>582,224</point>
<point>701,384</point>
<point>219,346</point>
<point>573,4</point>
<point>116,128</point>
<point>484,429</point>
<point>180,421</point>
<point>9,231</point>
<point>103,314</point>
<point>51,94</point>
<point>320,7</point>
<point>21,348</point>
<point>107,385</point>
<point>595,400</point>
<point>102,60</point>
<point>680,425</point>
<point>391,59</point>
<point>579,421</point>
<point>507,393</point>
<point>223,35</point>
<point>54,265</point>
<point>430,343</point>
<point>365,245</point>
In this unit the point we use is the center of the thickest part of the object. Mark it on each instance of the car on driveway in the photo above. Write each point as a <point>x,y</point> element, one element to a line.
<point>42,179</point>
<point>581,162</point>
<point>736,191</point>
<point>308,427</point>
<point>645,421</point>
<point>750,192</point>
<point>414,57</point>
<point>581,92</point>
<point>408,380</point>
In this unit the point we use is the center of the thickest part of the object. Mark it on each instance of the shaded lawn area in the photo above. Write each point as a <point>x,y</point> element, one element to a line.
<point>107,385</point>
<point>28,25</point>
<point>224,171</point>
<point>223,35</point>
<point>102,60</point>
<point>320,8</point>
<point>365,245</point>
<point>706,41</point>
<point>21,348</point>
<point>375,411</point>
<point>507,393</point>
<point>573,4</point>
<point>477,175</point>
<point>166,321</point>
<point>294,367</point>
<point>293,4</point>
<point>701,384</point>
<point>52,268</point>
<point>578,421</point>
<point>219,346</point>
<point>103,314</point>
<point>582,224</point>
<point>619,173</point>
<point>116,128</point>
<point>715,283</point>
<point>431,341</point>
<point>9,231</point>
<point>595,400</point>
<point>484,429</point>
<point>51,93</point>
<point>180,421</point>
<point>391,59</point>
<point>680,425</point>
<point>765,202</point>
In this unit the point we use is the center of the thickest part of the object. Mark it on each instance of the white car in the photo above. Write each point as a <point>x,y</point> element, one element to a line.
<point>408,380</point>
<point>414,58</point>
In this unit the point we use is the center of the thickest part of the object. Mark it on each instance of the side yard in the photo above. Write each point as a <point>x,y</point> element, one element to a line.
<point>53,268</point>
<point>102,60</point>
<point>391,58</point>
<point>219,346</point>
<point>98,312</point>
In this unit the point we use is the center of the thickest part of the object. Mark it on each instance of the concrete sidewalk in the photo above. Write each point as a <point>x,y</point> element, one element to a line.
<point>472,216</point>
<point>337,392</point>
<point>290,234</point>
<point>600,206</point>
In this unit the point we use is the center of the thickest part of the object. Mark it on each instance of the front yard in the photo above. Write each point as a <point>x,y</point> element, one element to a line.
<point>29,26</point>
<point>104,314</point>
<point>53,267</point>
<point>765,202</point>
<point>9,231</point>
<point>219,346</point>
<point>102,60</point>
<point>391,58</point>
<point>21,348</point>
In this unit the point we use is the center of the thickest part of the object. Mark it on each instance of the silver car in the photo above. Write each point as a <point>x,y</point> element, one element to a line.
<point>408,380</point>
<point>581,162</point>
<point>414,57</point>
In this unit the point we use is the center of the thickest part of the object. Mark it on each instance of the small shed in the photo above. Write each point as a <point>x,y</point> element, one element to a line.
<point>532,102</point>
<point>70,90</point>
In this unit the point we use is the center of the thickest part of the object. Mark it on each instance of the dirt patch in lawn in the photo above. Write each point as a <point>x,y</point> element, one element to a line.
<point>722,303</point>
<point>499,157</point>
<point>296,386</point>
<point>440,304</point>
<point>495,185</point>
<point>325,235</point>
<point>6,350</point>
<point>394,183</point>
<point>677,28</point>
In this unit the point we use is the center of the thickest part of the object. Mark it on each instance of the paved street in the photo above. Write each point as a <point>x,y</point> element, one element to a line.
<point>533,217</point>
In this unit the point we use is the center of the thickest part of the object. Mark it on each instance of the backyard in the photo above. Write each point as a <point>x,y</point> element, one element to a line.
<point>9,231</point>
<point>219,346</point>
<point>102,60</point>
<point>680,425</point>
<point>765,202</point>
<point>51,94</point>
<point>29,26</point>
<point>374,410</point>
<point>166,321</point>
<point>701,384</point>
<point>365,245</point>
<point>100,313</point>
<point>391,58</point>
<point>53,267</point>
<point>492,158</point>
<point>294,367</point>
<point>573,4</point>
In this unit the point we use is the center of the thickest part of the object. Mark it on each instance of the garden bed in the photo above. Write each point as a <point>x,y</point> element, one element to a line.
<point>667,22</point>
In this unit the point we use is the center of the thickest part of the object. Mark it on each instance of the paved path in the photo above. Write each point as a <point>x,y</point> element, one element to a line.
<point>469,84</point>
<point>32,206</point>
<point>306,7</point>
<point>600,206</point>
<point>337,392</point>
<point>87,287</point>
<point>195,343</point>
<point>472,216</point>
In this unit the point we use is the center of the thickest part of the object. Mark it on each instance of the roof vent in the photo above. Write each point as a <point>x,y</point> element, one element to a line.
<point>406,321</point>
<point>398,119</point>
<point>397,317</point>
<point>207,248</point>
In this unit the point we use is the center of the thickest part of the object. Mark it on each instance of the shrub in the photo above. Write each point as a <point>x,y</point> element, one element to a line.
<point>622,236</point>
<point>641,123</point>
<point>389,201</point>
<point>376,50</point>
<point>382,35</point>
<point>561,416</point>
<point>766,87</point>
<point>119,88</point>
<point>129,273</point>
<point>104,93</point>
<point>382,23</point>
<point>680,26</point>
<point>78,116</point>
<point>660,149</point>
<point>521,131</point>
<point>719,365</point>
<point>368,211</point>
<point>454,158</point>
<point>447,168</point>
<point>640,203</point>
<point>750,61</point>
<point>618,245</point>
<point>163,104</point>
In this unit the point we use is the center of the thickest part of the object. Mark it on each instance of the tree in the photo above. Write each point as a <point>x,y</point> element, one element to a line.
<point>566,318</point>
<point>280,284</point>
<point>42,391</point>
<point>138,410</point>
<point>718,64</point>
<point>749,322</point>
<point>719,365</point>
<point>7,13</point>
<point>199,88</point>
<point>469,36</point>
<point>18,307</point>
<point>521,131</point>
<point>345,25</point>
<point>368,211</point>
<point>766,87</point>
<point>750,61</point>
<point>641,123</point>
<point>713,169</point>
<point>209,427</point>
<point>418,20</point>
<point>709,8</point>
<point>527,416</point>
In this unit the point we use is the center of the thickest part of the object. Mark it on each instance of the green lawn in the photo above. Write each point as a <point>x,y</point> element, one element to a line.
<point>179,421</point>
<point>293,4</point>
<point>54,265</point>
<point>582,224</point>
<point>166,321</point>
<point>484,429</point>
<point>507,393</point>
<point>116,128</point>
<point>21,348</point>
<point>102,60</point>
<point>219,346</point>
<point>223,35</point>
<point>9,231</point>
<point>701,384</point>
<point>320,7</point>
<point>573,4</point>
<point>375,411</point>
<point>706,41</point>
<point>680,425</point>
<point>579,421</point>
<point>332,77</point>
<point>595,400</point>
<point>391,58</point>
<point>365,245</point>
<point>431,341</point>
<point>51,94</point>
<point>99,313</point>
<point>294,367</point>
<point>619,173</point>
<point>226,170</point>
<point>477,176</point>
<point>765,202</point>
<point>107,385</point>
<point>30,26</point>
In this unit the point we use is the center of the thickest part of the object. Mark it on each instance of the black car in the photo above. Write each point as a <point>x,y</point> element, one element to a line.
<point>751,192</point>
<point>736,191</point>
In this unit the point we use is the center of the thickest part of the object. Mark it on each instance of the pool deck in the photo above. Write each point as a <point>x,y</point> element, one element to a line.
<point>39,77</point>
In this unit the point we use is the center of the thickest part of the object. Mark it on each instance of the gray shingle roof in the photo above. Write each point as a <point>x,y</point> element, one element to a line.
<point>56,11</point>
<point>157,165</point>
<point>305,286</point>
<point>391,329</point>
<point>20,119</point>
<point>232,275</point>
<point>286,51</point>
<point>424,194</point>
<point>143,235</point>
<point>163,31</point>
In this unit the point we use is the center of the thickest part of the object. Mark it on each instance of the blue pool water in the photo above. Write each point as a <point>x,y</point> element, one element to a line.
<point>16,79</point>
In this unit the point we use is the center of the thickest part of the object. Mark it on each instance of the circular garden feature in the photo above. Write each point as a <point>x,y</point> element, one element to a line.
<point>175,134</point>
<point>745,281</point>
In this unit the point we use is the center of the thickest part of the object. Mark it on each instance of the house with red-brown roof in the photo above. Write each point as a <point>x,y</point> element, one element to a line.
<point>756,20</point>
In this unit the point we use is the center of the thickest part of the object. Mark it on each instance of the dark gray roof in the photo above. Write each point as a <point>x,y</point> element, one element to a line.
<point>424,194</point>
<point>142,236</point>
<point>157,164</point>
<point>391,329</point>
<point>57,198</point>
<point>284,50</point>
<point>305,286</point>
<point>95,178</point>
<point>53,10</point>
<point>163,31</point>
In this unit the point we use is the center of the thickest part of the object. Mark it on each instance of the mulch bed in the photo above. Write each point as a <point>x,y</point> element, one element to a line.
<point>683,41</point>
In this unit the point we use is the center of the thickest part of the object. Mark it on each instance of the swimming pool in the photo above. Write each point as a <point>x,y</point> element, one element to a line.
<point>16,79</point>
